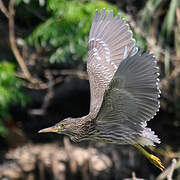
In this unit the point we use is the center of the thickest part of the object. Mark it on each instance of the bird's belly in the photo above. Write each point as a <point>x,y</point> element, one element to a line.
<point>107,140</point>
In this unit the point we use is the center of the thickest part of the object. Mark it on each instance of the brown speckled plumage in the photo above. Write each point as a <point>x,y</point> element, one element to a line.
<point>124,89</point>
<point>123,84</point>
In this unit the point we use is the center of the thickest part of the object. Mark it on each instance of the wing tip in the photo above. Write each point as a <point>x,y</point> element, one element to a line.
<point>96,14</point>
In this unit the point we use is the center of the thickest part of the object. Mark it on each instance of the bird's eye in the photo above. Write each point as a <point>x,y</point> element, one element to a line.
<point>61,126</point>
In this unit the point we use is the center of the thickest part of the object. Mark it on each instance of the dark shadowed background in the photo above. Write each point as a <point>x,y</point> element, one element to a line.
<point>43,79</point>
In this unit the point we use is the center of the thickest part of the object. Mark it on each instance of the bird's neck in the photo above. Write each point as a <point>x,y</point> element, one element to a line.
<point>92,115</point>
<point>83,127</point>
<point>85,118</point>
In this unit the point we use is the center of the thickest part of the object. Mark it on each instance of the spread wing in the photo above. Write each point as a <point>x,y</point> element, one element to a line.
<point>110,41</point>
<point>131,100</point>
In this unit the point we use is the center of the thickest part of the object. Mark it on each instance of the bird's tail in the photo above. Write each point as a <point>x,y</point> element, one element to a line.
<point>148,137</point>
<point>153,159</point>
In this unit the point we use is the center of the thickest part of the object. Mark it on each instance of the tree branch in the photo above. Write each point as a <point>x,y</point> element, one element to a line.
<point>3,9</point>
<point>72,72</point>
<point>12,41</point>
<point>168,172</point>
<point>133,177</point>
<point>26,74</point>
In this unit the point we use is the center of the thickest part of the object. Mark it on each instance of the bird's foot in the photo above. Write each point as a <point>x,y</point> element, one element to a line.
<point>156,161</point>
<point>153,159</point>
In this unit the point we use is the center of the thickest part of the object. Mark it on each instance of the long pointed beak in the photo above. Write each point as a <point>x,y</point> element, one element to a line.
<point>49,129</point>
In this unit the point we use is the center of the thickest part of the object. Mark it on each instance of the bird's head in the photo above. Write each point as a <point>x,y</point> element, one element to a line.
<point>66,126</point>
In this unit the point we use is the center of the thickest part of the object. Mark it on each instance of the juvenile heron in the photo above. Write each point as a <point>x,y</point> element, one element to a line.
<point>124,89</point>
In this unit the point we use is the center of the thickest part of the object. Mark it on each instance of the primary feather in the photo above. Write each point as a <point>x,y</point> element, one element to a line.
<point>110,41</point>
<point>130,101</point>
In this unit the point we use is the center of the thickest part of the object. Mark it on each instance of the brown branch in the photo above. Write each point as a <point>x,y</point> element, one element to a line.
<point>168,172</point>
<point>34,83</point>
<point>72,72</point>
<point>50,91</point>
<point>10,16</point>
<point>14,48</point>
<point>171,170</point>
<point>133,177</point>
<point>3,9</point>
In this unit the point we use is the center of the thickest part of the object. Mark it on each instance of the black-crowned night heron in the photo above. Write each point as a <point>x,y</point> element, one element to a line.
<point>124,89</point>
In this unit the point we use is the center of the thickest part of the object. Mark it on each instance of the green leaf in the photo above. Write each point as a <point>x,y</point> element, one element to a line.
<point>10,92</point>
<point>66,31</point>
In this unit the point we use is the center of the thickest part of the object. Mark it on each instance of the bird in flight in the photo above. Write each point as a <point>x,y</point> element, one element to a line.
<point>124,89</point>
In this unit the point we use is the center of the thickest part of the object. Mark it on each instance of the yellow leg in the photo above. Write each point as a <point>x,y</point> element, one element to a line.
<point>153,159</point>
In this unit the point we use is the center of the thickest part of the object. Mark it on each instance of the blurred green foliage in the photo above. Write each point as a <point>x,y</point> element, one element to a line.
<point>170,18</point>
<point>140,41</point>
<point>65,33</point>
<point>10,93</point>
<point>159,10</point>
<point>158,19</point>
